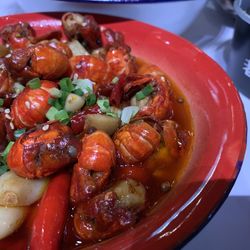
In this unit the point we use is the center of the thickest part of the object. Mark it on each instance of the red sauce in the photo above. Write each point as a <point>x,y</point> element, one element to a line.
<point>161,168</point>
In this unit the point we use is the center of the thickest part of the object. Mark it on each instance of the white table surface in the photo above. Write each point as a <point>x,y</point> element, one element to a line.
<point>212,31</point>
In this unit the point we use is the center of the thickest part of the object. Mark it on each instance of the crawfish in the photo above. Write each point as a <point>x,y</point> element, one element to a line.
<point>22,35</point>
<point>43,151</point>
<point>82,27</point>
<point>136,142</point>
<point>95,161</point>
<point>6,81</point>
<point>30,106</point>
<point>40,60</point>
<point>111,211</point>
<point>158,104</point>
<point>102,71</point>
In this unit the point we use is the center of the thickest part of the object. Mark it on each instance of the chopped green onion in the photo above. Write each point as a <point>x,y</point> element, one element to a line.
<point>51,113</point>
<point>59,115</point>
<point>63,98</point>
<point>1,102</point>
<point>66,84</point>
<point>54,92</point>
<point>139,96</point>
<point>19,132</point>
<point>55,103</point>
<point>3,168</point>
<point>104,105</point>
<point>3,156</point>
<point>90,99</point>
<point>34,83</point>
<point>128,113</point>
<point>116,111</point>
<point>52,101</point>
<point>18,87</point>
<point>65,121</point>
<point>84,84</point>
<point>112,114</point>
<point>7,150</point>
<point>146,91</point>
<point>62,116</point>
<point>78,92</point>
<point>115,80</point>
<point>89,90</point>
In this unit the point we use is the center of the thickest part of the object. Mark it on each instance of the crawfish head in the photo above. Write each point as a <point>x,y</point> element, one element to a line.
<point>84,28</point>
<point>17,35</point>
<point>18,63</point>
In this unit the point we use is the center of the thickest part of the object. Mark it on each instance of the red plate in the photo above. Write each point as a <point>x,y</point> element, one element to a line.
<point>220,132</point>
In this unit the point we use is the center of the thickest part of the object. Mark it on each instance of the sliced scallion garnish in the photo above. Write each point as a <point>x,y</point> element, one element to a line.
<point>104,105</point>
<point>1,102</point>
<point>3,168</point>
<point>90,99</point>
<point>63,98</point>
<point>112,114</point>
<point>55,103</point>
<point>7,150</point>
<point>85,85</point>
<point>55,92</point>
<point>128,113</point>
<point>78,92</point>
<point>66,84</point>
<point>59,115</point>
<point>34,83</point>
<point>19,132</point>
<point>62,116</point>
<point>146,91</point>
<point>139,96</point>
<point>115,80</point>
<point>51,101</point>
<point>51,113</point>
<point>18,87</point>
<point>116,111</point>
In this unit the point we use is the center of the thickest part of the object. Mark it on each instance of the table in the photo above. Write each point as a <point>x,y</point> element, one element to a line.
<point>212,31</point>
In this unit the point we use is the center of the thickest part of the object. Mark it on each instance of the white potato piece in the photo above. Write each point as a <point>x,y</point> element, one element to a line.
<point>17,191</point>
<point>131,194</point>
<point>11,218</point>
<point>101,122</point>
<point>77,48</point>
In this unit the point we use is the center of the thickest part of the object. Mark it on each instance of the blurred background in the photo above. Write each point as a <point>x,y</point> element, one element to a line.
<point>209,24</point>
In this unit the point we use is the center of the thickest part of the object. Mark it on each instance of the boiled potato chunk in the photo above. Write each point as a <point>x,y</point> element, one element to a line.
<point>17,191</point>
<point>11,219</point>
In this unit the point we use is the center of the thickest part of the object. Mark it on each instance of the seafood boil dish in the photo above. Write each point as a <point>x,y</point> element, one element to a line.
<point>92,137</point>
